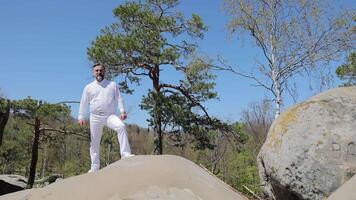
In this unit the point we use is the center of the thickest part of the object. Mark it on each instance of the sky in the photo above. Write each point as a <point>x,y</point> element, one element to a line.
<point>43,48</point>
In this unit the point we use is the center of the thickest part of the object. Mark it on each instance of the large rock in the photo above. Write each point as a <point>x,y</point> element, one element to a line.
<point>310,149</point>
<point>346,191</point>
<point>11,183</point>
<point>137,178</point>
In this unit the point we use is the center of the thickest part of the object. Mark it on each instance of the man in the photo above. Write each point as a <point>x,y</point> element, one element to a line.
<point>103,97</point>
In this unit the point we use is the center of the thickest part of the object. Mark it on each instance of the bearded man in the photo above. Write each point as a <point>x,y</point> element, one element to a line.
<point>103,98</point>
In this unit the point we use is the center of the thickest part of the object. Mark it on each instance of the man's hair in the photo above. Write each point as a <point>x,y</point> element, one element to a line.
<point>97,64</point>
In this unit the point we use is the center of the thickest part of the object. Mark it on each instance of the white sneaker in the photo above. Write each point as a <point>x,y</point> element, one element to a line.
<point>92,170</point>
<point>127,155</point>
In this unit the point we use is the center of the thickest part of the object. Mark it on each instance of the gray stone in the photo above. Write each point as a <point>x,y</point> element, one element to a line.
<point>11,183</point>
<point>310,149</point>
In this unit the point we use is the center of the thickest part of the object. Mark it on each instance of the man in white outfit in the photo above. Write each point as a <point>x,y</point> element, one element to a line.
<point>103,97</point>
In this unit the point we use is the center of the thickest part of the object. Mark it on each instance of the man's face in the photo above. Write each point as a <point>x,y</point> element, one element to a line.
<point>99,72</point>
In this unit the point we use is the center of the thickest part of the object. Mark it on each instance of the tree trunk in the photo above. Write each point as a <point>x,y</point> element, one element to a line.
<point>35,145</point>
<point>158,127</point>
<point>159,135</point>
<point>157,117</point>
<point>277,86</point>
<point>4,117</point>
<point>278,100</point>
<point>277,93</point>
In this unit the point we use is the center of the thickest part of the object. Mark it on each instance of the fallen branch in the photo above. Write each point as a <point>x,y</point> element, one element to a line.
<point>251,192</point>
<point>202,166</point>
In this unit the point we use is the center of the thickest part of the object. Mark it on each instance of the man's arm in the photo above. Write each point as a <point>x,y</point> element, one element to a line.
<point>120,100</point>
<point>84,102</point>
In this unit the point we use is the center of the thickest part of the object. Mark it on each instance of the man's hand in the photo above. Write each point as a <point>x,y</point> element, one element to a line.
<point>81,122</point>
<point>123,116</point>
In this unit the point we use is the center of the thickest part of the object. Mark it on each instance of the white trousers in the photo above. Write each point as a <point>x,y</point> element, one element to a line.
<point>97,123</point>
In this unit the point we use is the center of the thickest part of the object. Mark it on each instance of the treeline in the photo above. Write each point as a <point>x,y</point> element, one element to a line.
<point>63,147</point>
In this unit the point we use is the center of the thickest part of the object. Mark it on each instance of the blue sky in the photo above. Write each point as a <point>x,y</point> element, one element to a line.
<point>43,53</point>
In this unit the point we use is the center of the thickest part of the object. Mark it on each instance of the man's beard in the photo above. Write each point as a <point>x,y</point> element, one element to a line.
<point>99,77</point>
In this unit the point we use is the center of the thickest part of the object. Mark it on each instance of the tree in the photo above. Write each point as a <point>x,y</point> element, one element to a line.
<point>5,105</point>
<point>43,117</point>
<point>148,40</point>
<point>294,36</point>
<point>347,71</point>
<point>257,118</point>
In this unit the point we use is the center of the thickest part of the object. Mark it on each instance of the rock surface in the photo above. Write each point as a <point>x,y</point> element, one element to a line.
<point>11,183</point>
<point>139,178</point>
<point>346,191</point>
<point>310,150</point>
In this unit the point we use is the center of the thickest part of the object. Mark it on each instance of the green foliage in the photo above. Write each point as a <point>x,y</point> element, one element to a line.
<point>179,117</point>
<point>3,104</point>
<point>69,158</point>
<point>15,151</point>
<point>240,130</point>
<point>347,71</point>
<point>52,117</point>
<point>199,80</point>
<point>109,147</point>
<point>140,39</point>
<point>242,171</point>
<point>29,108</point>
<point>230,160</point>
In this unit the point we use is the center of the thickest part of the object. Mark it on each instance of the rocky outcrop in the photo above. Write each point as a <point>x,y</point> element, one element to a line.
<point>139,178</point>
<point>11,183</point>
<point>310,149</point>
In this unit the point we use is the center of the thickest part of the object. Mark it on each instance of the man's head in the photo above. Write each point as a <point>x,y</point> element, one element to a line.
<point>98,72</point>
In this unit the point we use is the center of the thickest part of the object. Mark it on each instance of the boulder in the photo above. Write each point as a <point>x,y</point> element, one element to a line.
<point>310,150</point>
<point>346,191</point>
<point>139,178</point>
<point>11,183</point>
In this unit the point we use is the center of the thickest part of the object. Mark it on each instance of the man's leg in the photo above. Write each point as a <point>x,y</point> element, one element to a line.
<point>115,123</point>
<point>96,130</point>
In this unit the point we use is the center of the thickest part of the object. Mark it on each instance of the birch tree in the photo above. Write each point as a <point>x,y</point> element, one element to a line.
<point>293,36</point>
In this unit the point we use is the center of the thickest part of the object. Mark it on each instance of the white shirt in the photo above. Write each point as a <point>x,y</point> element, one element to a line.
<point>102,97</point>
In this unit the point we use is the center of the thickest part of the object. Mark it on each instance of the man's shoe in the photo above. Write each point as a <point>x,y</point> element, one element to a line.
<point>92,170</point>
<point>127,155</point>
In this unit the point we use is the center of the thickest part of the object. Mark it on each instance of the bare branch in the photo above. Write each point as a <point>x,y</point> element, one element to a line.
<point>64,132</point>
<point>231,69</point>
